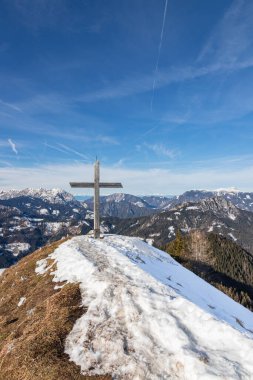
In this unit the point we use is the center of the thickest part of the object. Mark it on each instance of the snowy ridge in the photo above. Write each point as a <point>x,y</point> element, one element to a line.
<point>148,317</point>
<point>51,195</point>
<point>230,190</point>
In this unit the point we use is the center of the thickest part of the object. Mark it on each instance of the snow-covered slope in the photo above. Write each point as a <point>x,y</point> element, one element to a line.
<point>148,317</point>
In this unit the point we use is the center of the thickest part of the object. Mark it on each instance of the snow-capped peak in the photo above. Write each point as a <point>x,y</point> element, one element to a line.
<point>147,317</point>
<point>51,195</point>
<point>116,197</point>
<point>230,190</point>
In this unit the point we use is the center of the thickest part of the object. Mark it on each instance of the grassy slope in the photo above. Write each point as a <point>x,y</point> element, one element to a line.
<point>32,336</point>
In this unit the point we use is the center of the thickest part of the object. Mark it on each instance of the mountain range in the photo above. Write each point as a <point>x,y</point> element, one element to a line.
<point>30,218</point>
<point>128,206</point>
<point>215,215</point>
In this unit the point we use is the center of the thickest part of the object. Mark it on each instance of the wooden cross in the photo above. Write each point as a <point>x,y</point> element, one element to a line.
<point>96,185</point>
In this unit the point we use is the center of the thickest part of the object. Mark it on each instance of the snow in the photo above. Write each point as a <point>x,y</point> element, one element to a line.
<point>192,207</point>
<point>21,301</point>
<point>117,197</point>
<point>138,204</point>
<point>186,229</point>
<point>89,215</point>
<point>232,236</point>
<point>54,227</point>
<point>134,224</point>
<point>232,216</point>
<point>52,195</point>
<point>17,248</point>
<point>41,266</point>
<point>43,211</point>
<point>148,317</point>
<point>36,219</point>
<point>15,228</point>
<point>248,196</point>
<point>104,229</point>
<point>230,190</point>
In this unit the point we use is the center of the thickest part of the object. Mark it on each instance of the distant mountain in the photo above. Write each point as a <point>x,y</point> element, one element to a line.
<point>242,200</point>
<point>52,196</point>
<point>157,201</point>
<point>216,215</point>
<point>31,218</point>
<point>122,205</point>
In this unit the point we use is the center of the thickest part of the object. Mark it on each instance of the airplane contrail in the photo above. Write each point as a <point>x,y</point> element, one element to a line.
<point>159,52</point>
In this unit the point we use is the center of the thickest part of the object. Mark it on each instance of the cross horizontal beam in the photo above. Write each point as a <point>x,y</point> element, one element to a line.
<point>96,185</point>
<point>91,185</point>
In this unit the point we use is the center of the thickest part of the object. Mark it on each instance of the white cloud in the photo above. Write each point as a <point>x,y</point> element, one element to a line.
<point>5,163</point>
<point>232,36</point>
<point>120,163</point>
<point>106,140</point>
<point>165,78</point>
<point>149,181</point>
<point>9,105</point>
<point>161,150</point>
<point>13,146</point>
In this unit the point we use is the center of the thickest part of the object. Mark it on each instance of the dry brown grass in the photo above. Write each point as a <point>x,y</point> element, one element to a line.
<point>32,336</point>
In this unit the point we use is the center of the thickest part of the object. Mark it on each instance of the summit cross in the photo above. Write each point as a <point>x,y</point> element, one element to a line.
<point>96,185</point>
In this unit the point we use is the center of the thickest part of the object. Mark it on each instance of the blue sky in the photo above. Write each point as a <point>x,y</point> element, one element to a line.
<point>79,79</point>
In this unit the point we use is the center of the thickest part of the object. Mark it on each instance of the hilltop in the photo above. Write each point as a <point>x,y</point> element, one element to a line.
<point>121,309</point>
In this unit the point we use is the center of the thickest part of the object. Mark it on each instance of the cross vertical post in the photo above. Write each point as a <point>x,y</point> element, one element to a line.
<point>96,201</point>
<point>96,186</point>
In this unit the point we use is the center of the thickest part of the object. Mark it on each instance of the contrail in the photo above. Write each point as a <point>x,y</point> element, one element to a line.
<point>159,51</point>
<point>67,150</point>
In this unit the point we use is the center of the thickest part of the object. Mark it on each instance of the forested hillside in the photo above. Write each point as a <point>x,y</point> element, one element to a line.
<point>218,260</point>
